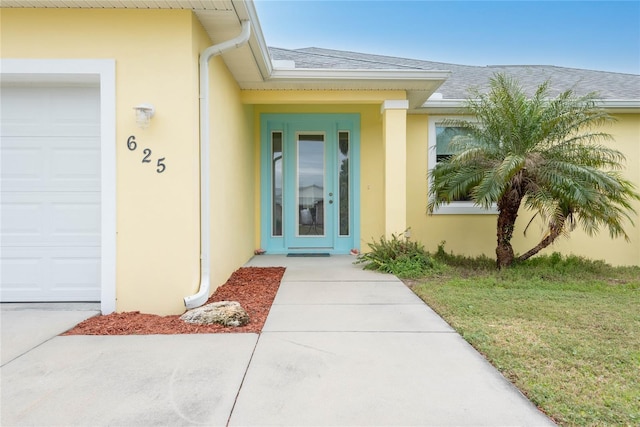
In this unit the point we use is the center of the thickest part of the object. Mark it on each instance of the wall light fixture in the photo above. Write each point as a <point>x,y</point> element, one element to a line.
<point>144,112</point>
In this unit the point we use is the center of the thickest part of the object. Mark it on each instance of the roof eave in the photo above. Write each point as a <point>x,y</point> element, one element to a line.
<point>247,10</point>
<point>364,74</point>
<point>456,106</point>
<point>418,84</point>
<point>621,105</point>
<point>441,106</point>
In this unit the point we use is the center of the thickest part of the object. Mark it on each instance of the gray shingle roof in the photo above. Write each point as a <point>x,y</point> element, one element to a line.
<point>608,85</point>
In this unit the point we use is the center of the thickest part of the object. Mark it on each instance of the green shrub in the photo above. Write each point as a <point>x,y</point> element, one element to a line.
<point>398,256</point>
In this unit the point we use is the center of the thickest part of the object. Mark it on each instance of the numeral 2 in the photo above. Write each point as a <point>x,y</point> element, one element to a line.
<point>147,154</point>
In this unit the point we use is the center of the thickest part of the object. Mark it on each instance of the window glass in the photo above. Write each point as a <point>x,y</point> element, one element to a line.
<point>311,175</point>
<point>343,166</point>
<point>444,135</point>
<point>276,179</point>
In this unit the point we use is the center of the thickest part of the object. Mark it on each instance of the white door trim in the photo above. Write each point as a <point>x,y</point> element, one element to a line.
<point>103,72</point>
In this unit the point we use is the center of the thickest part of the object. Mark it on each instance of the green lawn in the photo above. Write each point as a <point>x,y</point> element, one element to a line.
<point>565,331</point>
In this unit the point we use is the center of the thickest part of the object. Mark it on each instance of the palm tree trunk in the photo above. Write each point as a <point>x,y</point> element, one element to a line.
<point>508,212</point>
<point>555,229</point>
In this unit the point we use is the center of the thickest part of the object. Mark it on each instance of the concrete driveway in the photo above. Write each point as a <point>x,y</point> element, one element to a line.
<point>25,326</point>
<point>341,347</point>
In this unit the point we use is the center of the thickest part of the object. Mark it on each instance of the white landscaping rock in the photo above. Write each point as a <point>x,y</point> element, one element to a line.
<point>226,313</point>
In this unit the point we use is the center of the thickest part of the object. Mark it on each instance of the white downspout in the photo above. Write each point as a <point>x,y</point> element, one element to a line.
<point>202,295</point>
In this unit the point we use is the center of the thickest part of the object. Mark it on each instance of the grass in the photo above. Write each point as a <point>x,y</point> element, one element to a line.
<point>565,331</point>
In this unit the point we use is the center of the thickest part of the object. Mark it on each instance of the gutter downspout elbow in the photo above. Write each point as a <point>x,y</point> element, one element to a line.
<point>202,295</point>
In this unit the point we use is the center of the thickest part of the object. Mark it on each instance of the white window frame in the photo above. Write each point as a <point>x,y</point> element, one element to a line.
<point>451,208</point>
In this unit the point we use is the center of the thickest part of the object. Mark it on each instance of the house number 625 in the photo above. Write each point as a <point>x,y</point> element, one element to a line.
<point>132,144</point>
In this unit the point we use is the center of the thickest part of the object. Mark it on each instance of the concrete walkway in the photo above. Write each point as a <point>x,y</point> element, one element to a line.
<point>341,347</point>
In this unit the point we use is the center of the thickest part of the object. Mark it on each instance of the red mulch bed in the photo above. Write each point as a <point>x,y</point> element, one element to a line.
<point>253,287</point>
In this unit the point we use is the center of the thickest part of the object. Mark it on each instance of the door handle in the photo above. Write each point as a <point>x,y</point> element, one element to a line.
<point>330,201</point>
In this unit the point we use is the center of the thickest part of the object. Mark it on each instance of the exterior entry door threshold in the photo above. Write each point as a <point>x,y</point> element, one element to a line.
<point>309,254</point>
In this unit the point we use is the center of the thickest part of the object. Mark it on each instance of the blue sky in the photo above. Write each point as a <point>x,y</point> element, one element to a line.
<point>600,35</point>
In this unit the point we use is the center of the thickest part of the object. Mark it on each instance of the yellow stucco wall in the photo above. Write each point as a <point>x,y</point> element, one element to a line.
<point>476,234</point>
<point>156,54</point>
<point>626,133</point>
<point>394,139</point>
<point>233,181</point>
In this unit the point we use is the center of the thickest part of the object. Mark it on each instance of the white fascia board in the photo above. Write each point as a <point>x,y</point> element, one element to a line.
<point>450,106</point>
<point>247,10</point>
<point>441,106</point>
<point>621,105</point>
<point>355,74</point>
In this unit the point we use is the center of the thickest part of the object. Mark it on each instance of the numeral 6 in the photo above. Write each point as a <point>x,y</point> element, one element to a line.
<point>131,143</point>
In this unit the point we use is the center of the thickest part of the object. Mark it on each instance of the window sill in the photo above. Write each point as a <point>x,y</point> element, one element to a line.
<point>464,208</point>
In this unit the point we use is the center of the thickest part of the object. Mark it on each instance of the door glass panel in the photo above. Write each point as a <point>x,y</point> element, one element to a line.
<point>311,201</point>
<point>276,179</point>
<point>343,167</point>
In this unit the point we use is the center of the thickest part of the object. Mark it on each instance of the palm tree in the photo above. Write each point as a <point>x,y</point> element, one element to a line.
<point>547,154</point>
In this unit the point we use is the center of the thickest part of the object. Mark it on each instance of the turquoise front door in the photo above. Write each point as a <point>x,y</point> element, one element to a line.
<point>309,182</point>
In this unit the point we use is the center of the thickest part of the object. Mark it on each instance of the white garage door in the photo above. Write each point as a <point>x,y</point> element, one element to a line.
<point>50,206</point>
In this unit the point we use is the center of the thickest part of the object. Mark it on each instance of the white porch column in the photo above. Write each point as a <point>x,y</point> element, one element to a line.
<point>394,138</point>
